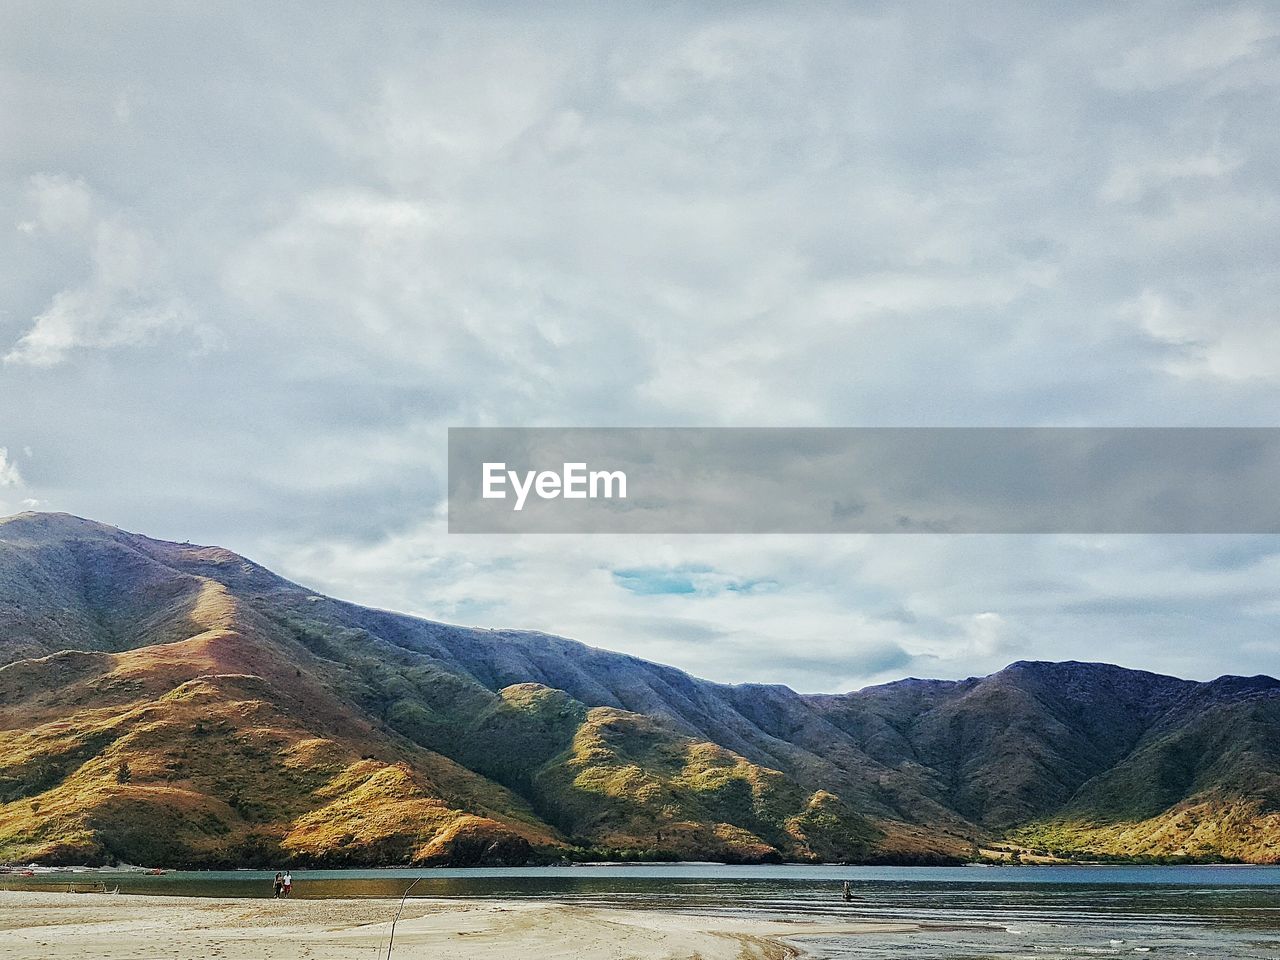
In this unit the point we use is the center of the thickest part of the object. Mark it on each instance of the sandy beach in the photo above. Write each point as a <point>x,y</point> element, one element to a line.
<point>65,925</point>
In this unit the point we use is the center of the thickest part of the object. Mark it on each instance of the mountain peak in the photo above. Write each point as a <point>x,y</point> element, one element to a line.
<point>50,525</point>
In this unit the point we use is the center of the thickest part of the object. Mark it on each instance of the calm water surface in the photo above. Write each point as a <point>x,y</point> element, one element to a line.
<point>972,912</point>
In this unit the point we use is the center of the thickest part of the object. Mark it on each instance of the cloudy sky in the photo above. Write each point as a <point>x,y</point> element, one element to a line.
<point>253,263</point>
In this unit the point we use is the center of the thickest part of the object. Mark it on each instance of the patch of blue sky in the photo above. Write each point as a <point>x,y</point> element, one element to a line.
<point>685,580</point>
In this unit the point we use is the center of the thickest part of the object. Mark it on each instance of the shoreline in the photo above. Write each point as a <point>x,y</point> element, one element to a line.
<point>39,869</point>
<point>61,926</point>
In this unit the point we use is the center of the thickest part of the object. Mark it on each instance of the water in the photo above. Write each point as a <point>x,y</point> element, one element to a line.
<point>1044,913</point>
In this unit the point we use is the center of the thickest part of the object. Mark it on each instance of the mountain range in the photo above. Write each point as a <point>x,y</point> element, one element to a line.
<point>179,705</point>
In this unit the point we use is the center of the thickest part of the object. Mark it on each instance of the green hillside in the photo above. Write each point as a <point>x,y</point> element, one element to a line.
<point>176,704</point>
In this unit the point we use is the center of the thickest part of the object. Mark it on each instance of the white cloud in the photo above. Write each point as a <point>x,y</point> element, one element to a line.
<point>987,635</point>
<point>59,203</point>
<point>1191,49</point>
<point>1231,338</point>
<point>9,475</point>
<point>126,299</point>
<point>717,56</point>
<point>1131,181</point>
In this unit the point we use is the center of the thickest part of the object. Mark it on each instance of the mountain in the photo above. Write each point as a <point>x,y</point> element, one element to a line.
<point>176,704</point>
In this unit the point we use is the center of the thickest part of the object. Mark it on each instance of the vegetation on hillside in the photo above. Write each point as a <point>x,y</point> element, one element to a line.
<point>179,705</point>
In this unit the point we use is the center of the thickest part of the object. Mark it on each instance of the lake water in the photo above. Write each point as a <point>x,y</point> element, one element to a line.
<point>1044,913</point>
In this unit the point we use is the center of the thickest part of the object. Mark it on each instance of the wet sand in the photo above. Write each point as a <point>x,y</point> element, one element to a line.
<point>60,926</point>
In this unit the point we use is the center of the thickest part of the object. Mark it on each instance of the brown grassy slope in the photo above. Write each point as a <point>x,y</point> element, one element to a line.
<point>207,741</point>
<point>217,750</point>
<point>932,764</point>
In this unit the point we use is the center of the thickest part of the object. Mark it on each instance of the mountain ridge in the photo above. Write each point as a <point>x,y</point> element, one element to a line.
<point>614,755</point>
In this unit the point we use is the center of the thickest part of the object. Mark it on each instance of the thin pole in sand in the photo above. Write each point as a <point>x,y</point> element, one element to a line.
<point>399,910</point>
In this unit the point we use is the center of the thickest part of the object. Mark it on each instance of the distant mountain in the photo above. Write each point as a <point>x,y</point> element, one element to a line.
<point>174,704</point>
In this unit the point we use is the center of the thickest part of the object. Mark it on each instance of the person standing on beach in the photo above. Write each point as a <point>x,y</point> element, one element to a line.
<point>288,883</point>
<point>279,885</point>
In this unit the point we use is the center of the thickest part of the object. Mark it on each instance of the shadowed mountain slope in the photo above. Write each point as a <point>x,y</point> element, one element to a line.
<point>253,719</point>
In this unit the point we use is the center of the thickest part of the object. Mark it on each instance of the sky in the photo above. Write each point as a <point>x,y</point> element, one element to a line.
<point>255,259</point>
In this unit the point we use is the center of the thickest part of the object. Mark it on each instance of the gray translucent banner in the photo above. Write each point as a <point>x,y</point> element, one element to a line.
<point>864,480</point>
